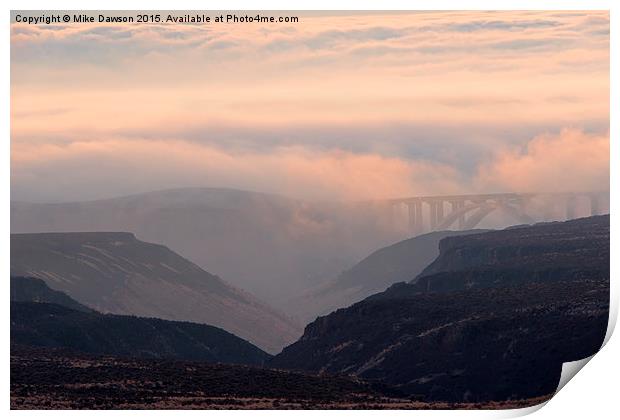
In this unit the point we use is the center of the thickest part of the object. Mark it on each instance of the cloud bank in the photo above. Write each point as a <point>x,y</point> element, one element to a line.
<point>570,161</point>
<point>338,106</point>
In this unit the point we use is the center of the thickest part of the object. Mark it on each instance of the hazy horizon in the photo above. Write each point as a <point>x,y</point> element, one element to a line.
<point>291,197</point>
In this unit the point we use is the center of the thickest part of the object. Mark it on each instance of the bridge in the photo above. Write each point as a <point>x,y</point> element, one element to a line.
<point>462,212</point>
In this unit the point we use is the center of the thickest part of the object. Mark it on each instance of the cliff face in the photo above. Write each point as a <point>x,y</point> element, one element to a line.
<point>579,245</point>
<point>494,317</point>
<point>577,249</point>
<point>116,273</point>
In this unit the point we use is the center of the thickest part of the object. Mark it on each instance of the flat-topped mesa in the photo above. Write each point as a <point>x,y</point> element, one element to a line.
<point>544,252</point>
<point>113,272</point>
<point>580,244</point>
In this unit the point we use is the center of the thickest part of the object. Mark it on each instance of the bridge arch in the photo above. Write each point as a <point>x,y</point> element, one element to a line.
<point>480,211</point>
<point>468,211</point>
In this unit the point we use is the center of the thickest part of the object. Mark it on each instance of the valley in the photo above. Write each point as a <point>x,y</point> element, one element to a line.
<point>471,319</point>
<point>114,272</point>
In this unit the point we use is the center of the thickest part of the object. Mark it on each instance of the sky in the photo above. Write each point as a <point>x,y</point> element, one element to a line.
<point>337,106</point>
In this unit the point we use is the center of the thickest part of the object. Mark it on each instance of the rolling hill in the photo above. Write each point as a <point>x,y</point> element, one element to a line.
<point>54,326</point>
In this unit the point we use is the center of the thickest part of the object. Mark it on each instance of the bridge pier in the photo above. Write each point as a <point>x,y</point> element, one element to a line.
<point>413,217</point>
<point>456,206</point>
<point>440,215</point>
<point>433,214</point>
<point>419,220</point>
<point>467,211</point>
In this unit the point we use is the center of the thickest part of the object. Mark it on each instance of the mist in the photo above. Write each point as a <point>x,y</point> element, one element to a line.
<point>571,160</point>
<point>266,154</point>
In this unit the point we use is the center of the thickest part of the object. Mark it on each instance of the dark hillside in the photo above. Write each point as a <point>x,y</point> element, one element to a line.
<point>507,312</point>
<point>50,325</point>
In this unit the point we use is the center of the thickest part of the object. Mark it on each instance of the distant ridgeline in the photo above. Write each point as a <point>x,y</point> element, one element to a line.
<point>492,318</point>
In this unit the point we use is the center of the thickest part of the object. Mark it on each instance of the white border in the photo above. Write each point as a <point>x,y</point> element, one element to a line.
<point>592,395</point>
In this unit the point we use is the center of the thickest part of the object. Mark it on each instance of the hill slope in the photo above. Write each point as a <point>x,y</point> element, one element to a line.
<point>510,308</point>
<point>116,273</point>
<point>30,289</point>
<point>399,262</point>
<point>272,246</point>
<point>51,325</point>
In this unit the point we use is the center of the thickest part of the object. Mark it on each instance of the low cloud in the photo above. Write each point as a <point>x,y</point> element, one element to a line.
<point>569,161</point>
<point>81,168</point>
